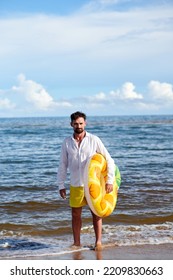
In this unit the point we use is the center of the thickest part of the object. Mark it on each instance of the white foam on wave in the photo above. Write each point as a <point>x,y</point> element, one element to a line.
<point>5,245</point>
<point>45,253</point>
<point>127,235</point>
<point>70,251</point>
<point>10,233</point>
<point>116,235</point>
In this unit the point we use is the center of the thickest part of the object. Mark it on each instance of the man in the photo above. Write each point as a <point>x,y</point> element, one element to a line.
<point>75,152</point>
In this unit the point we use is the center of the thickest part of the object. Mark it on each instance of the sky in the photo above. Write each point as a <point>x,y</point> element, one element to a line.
<point>102,57</point>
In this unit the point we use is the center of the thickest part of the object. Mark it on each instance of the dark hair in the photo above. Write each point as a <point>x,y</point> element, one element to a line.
<point>77,115</point>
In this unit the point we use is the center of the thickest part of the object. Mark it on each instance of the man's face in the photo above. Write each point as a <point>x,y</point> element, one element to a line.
<point>78,125</point>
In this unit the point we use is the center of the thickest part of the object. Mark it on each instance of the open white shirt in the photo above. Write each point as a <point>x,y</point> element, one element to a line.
<point>74,158</point>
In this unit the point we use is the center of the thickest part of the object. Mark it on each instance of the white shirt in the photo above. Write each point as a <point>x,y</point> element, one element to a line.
<point>74,158</point>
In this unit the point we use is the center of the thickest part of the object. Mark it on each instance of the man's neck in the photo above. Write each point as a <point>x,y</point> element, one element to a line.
<point>79,137</point>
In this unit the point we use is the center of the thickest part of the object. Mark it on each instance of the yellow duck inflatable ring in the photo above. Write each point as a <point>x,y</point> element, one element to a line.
<point>95,176</point>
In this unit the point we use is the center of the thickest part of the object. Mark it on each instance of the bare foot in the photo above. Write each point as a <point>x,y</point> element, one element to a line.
<point>98,247</point>
<point>75,246</point>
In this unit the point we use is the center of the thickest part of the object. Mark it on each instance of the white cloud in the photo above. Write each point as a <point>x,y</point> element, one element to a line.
<point>6,104</point>
<point>87,32</point>
<point>126,98</point>
<point>147,107</point>
<point>127,92</point>
<point>99,97</point>
<point>31,97</point>
<point>162,92</point>
<point>89,48</point>
<point>99,4</point>
<point>37,95</point>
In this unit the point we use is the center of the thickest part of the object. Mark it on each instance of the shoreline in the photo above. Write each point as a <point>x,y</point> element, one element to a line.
<point>136,252</point>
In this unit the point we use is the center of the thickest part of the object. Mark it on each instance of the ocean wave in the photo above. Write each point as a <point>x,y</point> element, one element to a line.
<point>18,230</point>
<point>113,235</point>
<point>140,234</point>
<point>41,206</point>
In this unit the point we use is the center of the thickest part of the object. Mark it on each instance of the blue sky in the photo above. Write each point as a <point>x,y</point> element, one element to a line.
<point>103,57</point>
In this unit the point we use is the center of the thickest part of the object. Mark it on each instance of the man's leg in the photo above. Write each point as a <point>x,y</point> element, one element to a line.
<point>97,223</point>
<point>76,224</point>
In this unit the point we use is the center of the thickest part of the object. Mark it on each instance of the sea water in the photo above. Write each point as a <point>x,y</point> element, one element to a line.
<point>35,221</point>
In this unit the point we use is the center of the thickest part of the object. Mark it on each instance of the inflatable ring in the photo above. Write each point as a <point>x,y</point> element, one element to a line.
<point>95,176</point>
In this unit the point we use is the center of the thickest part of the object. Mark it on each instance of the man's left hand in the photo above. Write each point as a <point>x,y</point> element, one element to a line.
<point>109,188</point>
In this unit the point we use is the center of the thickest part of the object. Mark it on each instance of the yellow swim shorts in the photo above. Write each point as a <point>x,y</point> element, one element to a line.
<point>77,197</point>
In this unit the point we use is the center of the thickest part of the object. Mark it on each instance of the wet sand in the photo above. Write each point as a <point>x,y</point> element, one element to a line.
<point>142,252</point>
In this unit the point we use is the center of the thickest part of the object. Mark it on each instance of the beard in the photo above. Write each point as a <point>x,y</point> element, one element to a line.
<point>78,130</point>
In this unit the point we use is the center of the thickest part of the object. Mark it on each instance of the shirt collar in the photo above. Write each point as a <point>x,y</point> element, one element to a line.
<point>86,135</point>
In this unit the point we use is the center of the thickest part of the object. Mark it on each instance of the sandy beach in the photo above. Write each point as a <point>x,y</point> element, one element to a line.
<point>142,252</point>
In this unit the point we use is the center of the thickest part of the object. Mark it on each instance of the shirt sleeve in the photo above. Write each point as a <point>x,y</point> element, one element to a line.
<point>62,169</point>
<point>110,162</point>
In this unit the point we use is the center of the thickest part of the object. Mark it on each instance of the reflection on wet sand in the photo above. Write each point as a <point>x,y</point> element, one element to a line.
<point>78,255</point>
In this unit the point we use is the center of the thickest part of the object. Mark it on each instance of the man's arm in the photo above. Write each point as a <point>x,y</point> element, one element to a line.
<point>62,171</point>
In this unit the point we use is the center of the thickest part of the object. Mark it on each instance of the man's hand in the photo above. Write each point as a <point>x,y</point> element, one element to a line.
<point>109,188</point>
<point>63,193</point>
